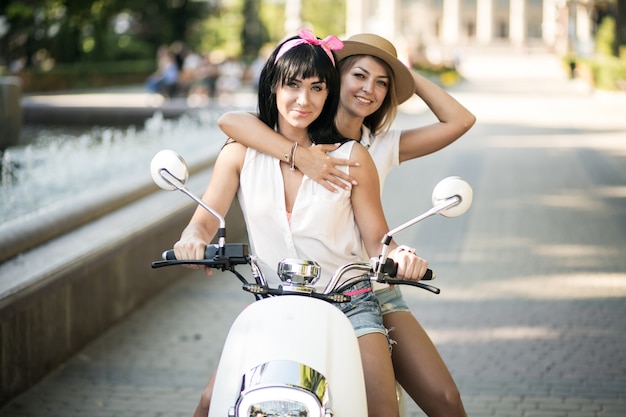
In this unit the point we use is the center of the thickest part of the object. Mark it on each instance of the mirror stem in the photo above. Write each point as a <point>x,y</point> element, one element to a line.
<point>175,182</point>
<point>447,203</point>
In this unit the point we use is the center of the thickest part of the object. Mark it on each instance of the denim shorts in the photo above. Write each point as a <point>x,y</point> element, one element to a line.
<point>363,311</point>
<point>390,300</point>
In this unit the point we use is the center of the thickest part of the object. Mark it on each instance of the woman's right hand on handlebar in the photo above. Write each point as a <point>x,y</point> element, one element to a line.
<point>191,246</point>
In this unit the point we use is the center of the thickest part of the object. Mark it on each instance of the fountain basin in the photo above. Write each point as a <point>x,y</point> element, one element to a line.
<point>56,296</point>
<point>71,110</point>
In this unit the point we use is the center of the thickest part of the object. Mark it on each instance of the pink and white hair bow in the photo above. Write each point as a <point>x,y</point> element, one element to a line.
<point>331,43</point>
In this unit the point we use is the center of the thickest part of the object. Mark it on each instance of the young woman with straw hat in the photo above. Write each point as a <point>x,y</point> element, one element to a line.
<point>373,83</point>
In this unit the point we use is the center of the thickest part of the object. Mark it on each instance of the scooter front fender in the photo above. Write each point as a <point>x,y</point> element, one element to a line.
<point>299,329</point>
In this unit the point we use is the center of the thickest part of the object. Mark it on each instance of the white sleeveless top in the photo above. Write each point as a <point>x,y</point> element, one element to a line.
<point>385,152</point>
<point>322,228</point>
<point>384,149</point>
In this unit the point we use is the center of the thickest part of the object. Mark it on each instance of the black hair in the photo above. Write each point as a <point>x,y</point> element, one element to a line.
<point>301,61</point>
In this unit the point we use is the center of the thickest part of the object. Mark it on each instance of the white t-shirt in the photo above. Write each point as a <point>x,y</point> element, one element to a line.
<point>322,227</point>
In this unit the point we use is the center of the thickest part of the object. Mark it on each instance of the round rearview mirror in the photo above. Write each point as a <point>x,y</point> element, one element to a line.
<point>450,187</point>
<point>172,162</point>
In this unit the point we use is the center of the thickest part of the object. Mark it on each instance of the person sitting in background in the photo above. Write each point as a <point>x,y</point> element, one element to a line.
<point>165,79</point>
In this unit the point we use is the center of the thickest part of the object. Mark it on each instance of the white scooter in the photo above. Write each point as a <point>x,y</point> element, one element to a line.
<point>292,353</point>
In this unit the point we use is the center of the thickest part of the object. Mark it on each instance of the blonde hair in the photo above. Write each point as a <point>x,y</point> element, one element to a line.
<point>380,121</point>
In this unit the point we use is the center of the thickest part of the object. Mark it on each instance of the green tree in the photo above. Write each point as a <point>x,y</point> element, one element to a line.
<point>326,17</point>
<point>254,33</point>
<point>68,31</point>
<point>620,27</point>
<point>605,37</point>
<point>611,14</point>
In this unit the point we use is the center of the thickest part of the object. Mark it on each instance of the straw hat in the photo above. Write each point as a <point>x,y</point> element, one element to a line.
<point>370,44</point>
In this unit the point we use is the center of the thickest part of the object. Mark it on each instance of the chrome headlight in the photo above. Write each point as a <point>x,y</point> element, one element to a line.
<point>278,402</point>
<point>283,389</point>
<point>298,271</point>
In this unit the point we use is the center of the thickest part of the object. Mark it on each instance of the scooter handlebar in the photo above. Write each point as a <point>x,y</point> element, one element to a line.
<point>391,269</point>
<point>238,254</point>
<point>429,275</point>
<point>214,256</point>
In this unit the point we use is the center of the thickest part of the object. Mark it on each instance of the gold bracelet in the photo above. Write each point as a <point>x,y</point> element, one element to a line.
<point>292,157</point>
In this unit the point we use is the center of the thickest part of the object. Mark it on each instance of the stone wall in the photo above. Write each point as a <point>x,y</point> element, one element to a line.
<point>60,295</point>
<point>10,112</point>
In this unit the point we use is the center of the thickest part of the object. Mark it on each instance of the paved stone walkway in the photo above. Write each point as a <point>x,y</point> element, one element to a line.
<point>532,315</point>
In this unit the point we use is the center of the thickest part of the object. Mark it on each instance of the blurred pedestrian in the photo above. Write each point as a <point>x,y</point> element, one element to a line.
<point>164,80</point>
<point>230,76</point>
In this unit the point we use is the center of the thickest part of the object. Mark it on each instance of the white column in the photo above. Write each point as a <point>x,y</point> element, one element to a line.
<point>293,17</point>
<point>355,19</point>
<point>549,25</point>
<point>450,24</point>
<point>383,21</point>
<point>484,21</point>
<point>517,22</point>
<point>583,22</point>
<point>372,16</point>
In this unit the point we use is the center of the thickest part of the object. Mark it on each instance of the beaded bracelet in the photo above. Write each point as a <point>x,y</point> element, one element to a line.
<point>406,248</point>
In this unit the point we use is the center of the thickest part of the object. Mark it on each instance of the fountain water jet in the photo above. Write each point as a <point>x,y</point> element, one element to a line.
<point>56,167</point>
<point>59,182</point>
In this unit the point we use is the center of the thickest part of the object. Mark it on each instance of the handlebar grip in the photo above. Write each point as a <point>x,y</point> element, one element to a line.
<point>209,253</point>
<point>391,268</point>
<point>429,275</point>
<point>214,257</point>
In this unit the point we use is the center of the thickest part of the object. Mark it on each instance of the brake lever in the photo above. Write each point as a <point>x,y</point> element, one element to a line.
<point>222,264</point>
<point>412,283</point>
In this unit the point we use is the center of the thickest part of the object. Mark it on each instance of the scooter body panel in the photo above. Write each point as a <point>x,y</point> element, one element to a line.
<point>294,328</point>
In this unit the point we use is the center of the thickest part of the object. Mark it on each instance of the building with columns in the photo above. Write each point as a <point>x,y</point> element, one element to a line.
<point>440,29</point>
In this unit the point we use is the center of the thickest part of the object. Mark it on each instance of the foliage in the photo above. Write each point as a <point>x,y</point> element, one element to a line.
<point>605,37</point>
<point>46,32</point>
<point>87,75</point>
<point>37,36</point>
<point>609,19</point>
<point>236,29</point>
<point>325,17</point>
<point>43,33</point>
<point>244,27</point>
<point>254,33</point>
<point>442,75</point>
<point>604,72</point>
<point>220,32</point>
<point>609,73</point>
<point>270,13</point>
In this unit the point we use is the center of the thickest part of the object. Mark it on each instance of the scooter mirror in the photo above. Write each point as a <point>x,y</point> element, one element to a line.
<point>168,161</point>
<point>169,171</point>
<point>449,188</point>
